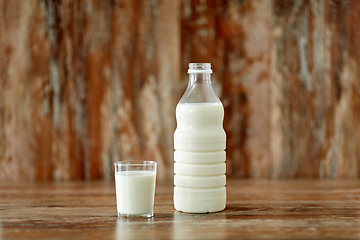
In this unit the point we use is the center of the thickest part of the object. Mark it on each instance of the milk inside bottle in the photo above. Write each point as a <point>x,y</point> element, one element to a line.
<point>199,143</point>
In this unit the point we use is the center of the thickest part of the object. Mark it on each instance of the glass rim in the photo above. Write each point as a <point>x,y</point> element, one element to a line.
<point>135,163</point>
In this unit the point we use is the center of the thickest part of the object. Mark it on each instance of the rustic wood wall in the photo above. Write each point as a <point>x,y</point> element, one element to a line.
<point>86,83</point>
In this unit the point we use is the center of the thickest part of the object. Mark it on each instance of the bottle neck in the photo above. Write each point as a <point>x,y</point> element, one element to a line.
<point>199,78</point>
<point>199,89</point>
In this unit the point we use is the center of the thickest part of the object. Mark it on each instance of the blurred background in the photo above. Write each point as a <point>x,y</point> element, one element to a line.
<point>84,84</point>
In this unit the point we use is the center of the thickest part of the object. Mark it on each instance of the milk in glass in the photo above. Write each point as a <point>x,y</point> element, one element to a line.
<point>135,192</point>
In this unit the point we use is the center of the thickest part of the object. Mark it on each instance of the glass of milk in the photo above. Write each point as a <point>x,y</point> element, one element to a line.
<point>135,188</point>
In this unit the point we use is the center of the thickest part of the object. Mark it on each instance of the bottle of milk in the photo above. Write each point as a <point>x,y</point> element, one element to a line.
<point>199,142</point>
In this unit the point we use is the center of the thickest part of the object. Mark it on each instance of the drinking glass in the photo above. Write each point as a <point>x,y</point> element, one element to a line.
<point>135,188</point>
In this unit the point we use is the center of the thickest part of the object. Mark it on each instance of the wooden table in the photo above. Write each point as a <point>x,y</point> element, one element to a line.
<point>255,210</point>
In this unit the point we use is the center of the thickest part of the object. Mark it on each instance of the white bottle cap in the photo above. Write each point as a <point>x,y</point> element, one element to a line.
<point>199,68</point>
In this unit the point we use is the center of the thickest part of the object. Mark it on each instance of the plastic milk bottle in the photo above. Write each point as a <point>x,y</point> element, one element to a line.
<point>199,143</point>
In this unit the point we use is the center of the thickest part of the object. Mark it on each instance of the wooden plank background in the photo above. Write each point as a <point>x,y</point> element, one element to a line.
<point>84,84</point>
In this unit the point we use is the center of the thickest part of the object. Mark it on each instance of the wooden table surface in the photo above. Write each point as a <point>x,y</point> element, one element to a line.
<point>302,209</point>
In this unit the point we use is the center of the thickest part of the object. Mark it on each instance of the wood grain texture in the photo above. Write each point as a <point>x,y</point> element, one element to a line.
<point>255,210</point>
<point>318,81</point>
<point>84,84</point>
<point>91,83</point>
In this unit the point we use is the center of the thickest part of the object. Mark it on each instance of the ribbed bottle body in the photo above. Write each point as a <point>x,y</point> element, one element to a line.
<point>199,143</point>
